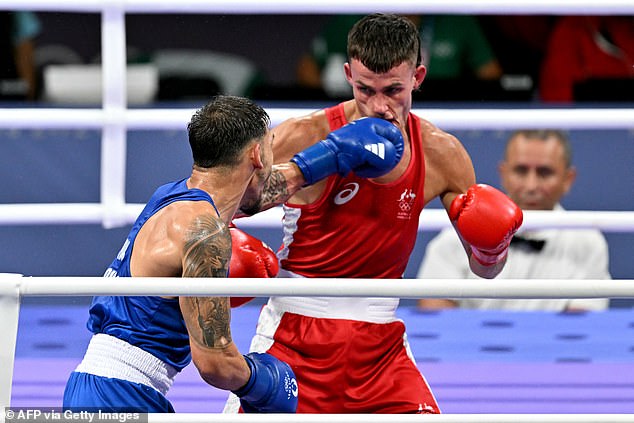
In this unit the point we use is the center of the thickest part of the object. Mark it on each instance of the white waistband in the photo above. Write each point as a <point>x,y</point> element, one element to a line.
<point>112,357</point>
<point>374,310</point>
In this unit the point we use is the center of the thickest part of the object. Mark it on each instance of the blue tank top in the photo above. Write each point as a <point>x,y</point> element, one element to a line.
<point>153,324</point>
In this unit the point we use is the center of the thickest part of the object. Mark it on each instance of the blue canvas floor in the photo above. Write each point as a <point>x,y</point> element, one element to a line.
<point>475,362</point>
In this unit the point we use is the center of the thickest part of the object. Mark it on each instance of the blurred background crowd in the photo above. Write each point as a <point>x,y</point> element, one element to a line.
<point>547,59</point>
<point>55,59</point>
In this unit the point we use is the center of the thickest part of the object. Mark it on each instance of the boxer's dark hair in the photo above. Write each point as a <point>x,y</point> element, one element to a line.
<point>219,131</point>
<point>381,41</point>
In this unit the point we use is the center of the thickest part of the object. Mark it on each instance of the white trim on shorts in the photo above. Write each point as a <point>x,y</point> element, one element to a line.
<point>111,357</point>
<point>363,309</point>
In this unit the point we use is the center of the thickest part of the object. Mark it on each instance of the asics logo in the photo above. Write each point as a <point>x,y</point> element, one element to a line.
<point>347,194</point>
<point>376,149</point>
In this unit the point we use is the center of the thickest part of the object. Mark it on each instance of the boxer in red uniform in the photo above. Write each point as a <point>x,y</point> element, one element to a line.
<point>350,355</point>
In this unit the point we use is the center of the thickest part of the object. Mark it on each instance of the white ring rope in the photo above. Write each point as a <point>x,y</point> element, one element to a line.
<point>333,287</point>
<point>430,220</point>
<point>449,119</point>
<point>579,7</point>
<point>389,418</point>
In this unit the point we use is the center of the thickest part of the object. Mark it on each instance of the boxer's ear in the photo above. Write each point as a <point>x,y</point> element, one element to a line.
<point>256,156</point>
<point>419,76</point>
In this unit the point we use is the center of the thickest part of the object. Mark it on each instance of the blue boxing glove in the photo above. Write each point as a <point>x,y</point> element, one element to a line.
<point>370,147</point>
<point>272,387</point>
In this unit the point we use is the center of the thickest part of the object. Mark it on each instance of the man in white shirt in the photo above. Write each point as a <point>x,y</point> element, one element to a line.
<point>536,172</point>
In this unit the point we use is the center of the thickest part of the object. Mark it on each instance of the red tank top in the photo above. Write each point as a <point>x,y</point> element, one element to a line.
<point>358,228</point>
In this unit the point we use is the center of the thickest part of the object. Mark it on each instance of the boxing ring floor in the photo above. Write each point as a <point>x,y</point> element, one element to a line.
<point>475,361</point>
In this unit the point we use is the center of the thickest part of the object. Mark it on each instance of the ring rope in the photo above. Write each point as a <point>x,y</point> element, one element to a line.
<point>333,287</point>
<point>579,7</point>
<point>430,220</point>
<point>451,119</point>
<point>389,418</point>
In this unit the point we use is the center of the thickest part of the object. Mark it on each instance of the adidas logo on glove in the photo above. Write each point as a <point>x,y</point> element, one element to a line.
<point>377,149</point>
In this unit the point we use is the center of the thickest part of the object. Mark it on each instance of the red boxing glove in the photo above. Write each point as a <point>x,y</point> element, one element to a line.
<point>250,258</point>
<point>486,219</point>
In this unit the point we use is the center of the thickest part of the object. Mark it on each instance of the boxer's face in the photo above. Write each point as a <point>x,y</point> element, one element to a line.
<point>534,173</point>
<point>386,95</point>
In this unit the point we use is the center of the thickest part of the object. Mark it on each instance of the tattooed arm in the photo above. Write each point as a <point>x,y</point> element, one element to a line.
<point>206,253</point>
<point>285,180</point>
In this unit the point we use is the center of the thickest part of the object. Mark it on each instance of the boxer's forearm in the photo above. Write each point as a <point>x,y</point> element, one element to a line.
<point>286,179</point>
<point>284,182</point>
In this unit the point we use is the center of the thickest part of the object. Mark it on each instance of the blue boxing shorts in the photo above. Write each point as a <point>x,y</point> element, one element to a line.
<point>85,391</point>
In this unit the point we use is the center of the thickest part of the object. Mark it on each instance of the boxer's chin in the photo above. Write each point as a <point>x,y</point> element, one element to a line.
<point>252,208</point>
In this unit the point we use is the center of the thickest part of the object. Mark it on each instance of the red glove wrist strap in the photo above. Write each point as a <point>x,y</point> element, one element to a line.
<point>487,258</point>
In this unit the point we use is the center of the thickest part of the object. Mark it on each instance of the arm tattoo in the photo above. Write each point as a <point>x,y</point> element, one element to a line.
<point>275,192</point>
<point>207,319</point>
<point>207,253</point>
<point>207,249</point>
<point>276,189</point>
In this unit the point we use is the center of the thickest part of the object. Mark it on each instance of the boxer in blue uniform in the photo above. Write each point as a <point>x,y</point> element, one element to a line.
<point>141,342</point>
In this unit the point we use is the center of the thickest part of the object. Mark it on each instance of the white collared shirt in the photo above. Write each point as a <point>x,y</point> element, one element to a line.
<point>567,254</point>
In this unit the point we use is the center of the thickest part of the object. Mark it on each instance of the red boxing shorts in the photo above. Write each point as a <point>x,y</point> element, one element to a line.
<point>344,365</point>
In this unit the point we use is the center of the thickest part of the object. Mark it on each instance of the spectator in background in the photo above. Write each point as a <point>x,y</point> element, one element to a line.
<point>453,46</point>
<point>18,31</point>
<point>536,173</point>
<point>584,48</point>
